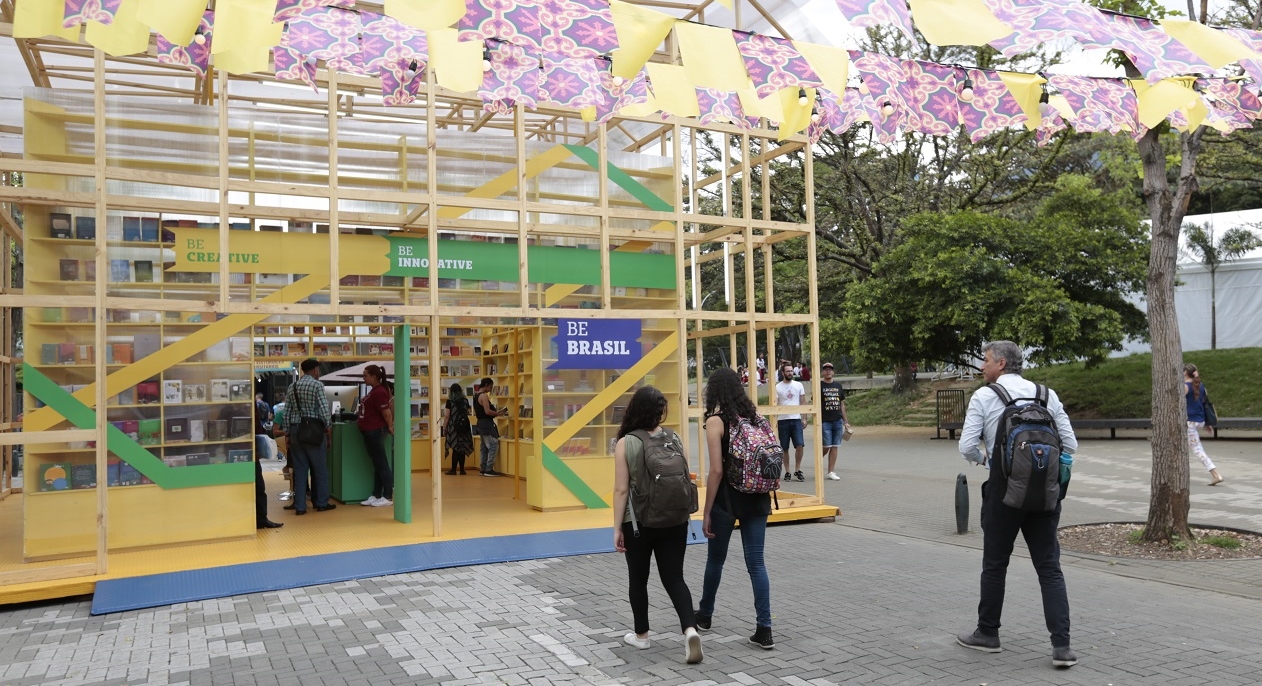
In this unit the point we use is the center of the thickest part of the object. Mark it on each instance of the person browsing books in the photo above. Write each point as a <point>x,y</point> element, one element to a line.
<point>487,429</point>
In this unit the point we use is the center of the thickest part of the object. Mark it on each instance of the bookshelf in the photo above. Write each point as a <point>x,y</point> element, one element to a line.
<point>460,361</point>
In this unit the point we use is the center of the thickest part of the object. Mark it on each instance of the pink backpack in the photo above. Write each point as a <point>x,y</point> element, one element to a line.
<point>754,460</point>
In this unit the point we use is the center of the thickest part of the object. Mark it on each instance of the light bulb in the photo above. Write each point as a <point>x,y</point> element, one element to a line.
<point>966,93</point>
<point>888,108</point>
<point>863,87</point>
<point>618,81</point>
<point>199,38</point>
<point>486,59</point>
<point>802,99</point>
<point>1046,110</point>
<point>815,118</point>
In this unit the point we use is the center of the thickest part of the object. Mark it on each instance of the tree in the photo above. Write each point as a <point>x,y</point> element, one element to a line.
<point>1056,284</point>
<point>1213,253</point>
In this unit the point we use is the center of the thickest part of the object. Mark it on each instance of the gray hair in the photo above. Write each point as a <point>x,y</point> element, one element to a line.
<point>1007,351</point>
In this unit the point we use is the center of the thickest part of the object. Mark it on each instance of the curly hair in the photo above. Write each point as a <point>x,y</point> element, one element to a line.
<point>645,411</point>
<point>726,397</point>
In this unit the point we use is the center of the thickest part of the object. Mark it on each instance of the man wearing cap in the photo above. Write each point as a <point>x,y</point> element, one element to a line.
<point>832,416</point>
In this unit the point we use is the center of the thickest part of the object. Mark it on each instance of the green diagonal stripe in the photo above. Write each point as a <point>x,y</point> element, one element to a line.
<point>650,199</point>
<point>126,448</point>
<point>557,467</point>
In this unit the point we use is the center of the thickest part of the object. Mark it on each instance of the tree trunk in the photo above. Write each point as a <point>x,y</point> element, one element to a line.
<point>1213,311</point>
<point>1169,501</point>
<point>904,379</point>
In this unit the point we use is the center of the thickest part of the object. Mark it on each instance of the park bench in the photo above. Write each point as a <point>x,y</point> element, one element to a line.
<point>1114,424</point>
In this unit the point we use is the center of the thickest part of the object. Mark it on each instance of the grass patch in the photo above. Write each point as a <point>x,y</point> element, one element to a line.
<point>1122,386</point>
<point>880,406</point>
<point>1135,537</point>
<point>1224,542</point>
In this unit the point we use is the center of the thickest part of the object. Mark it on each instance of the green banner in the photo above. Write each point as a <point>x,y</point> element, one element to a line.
<point>547,264</point>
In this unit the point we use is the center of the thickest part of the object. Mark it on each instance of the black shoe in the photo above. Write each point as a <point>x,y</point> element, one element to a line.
<point>703,622</point>
<point>762,638</point>
<point>326,508</point>
<point>451,472</point>
<point>300,512</point>
<point>290,507</point>
<point>1063,657</point>
<point>977,641</point>
<point>800,476</point>
<point>463,472</point>
<point>269,524</point>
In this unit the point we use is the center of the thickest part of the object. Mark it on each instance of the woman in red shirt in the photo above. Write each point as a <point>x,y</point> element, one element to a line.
<point>376,419</point>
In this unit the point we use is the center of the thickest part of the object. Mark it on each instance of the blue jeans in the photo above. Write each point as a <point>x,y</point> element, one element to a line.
<point>833,432</point>
<point>312,459</point>
<point>790,430</point>
<point>753,539</point>
<point>489,451</point>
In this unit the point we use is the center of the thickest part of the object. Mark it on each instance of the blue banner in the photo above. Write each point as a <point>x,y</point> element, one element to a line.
<point>597,343</point>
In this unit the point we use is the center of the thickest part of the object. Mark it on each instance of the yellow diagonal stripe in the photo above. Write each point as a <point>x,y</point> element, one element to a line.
<point>605,398</point>
<point>171,355</point>
<point>558,292</point>
<point>508,180</point>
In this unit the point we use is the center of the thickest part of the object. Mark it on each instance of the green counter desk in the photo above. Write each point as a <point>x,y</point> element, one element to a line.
<point>350,470</point>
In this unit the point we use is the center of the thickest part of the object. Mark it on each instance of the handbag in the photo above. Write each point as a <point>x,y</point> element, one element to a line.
<point>1211,416</point>
<point>310,431</point>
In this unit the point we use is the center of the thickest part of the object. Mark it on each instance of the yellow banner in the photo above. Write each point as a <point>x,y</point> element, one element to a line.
<point>126,36</point>
<point>273,252</point>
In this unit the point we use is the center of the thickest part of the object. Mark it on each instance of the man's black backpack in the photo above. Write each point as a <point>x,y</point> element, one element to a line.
<point>1027,451</point>
<point>662,491</point>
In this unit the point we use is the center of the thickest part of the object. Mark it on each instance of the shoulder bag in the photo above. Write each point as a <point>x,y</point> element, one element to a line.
<point>310,431</point>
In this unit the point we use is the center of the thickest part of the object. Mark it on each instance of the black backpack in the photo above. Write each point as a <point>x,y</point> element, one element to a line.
<point>662,491</point>
<point>1027,451</point>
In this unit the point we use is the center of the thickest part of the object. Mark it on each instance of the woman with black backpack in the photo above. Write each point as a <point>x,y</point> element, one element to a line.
<point>653,498</point>
<point>726,404</point>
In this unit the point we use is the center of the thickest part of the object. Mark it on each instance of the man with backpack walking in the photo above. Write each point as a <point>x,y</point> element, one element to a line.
<point>1024,430</point>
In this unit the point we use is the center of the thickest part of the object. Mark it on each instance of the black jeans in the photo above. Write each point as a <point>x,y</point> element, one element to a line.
<point>260,493</point>
<point>667,545</point>
<point>382,475</point>
<point>1000,525</point>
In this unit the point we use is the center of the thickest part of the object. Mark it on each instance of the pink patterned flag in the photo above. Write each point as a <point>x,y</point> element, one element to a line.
<point>287,9</point>
<point>722,107</point>
<point>513,79</point>
<point>1231,106</point>
<point>836,113</point>
<point>387,41</point>
<point>83,11</point>
<point>1048,128</point>
<point>992,108</point>
<point>400,82</point>
<point>865,13</point>
<point>1099,104</point>
<point>571,82</point>
<point>1253,68</point>
<point>325,33</point>
<point>932,94</point>
<point>1154,52</point>
<point>577,28</point>
<point>881,77</point>
<point>510,21</point>
<point>619,93</point>
<point>292,65</point>
<point>195,56</point>
<point>1036,22</point>
<point>773,63</point>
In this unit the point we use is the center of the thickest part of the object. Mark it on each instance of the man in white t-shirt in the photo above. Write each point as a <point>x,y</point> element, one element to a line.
<point>790,392</point>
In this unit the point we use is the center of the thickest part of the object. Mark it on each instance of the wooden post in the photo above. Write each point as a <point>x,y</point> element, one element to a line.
<point>335,227</point>
<point>224,248</point>
<point>102,270</point>
<point>431,233</point>
<point>812,271</point>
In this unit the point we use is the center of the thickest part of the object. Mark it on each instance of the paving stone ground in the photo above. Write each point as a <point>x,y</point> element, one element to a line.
<point>874,598</point>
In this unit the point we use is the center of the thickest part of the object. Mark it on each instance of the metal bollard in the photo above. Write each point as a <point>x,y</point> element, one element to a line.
<point>961,504</point>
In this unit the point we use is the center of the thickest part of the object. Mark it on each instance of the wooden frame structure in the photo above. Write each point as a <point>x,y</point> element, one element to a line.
<point>722,219</point>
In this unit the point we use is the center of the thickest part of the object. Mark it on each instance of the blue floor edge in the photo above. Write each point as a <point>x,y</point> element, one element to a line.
<point>156,590</point>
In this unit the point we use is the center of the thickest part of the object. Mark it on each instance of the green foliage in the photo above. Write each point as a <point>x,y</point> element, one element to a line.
<point>1121,387</point>
<point>1177,543</point>
<point>881,406</point>
<point>1135,537</point>
<point>1212,251</point>
<point>1224,542</point>
<point>1055,284</point>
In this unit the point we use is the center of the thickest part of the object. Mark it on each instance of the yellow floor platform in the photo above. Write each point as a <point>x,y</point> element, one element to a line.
<point>474,507</point>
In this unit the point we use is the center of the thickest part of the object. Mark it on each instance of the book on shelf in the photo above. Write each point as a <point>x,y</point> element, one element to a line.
<point>240,426</point>
<point>80,315</point>
<point>197,430</point>
<point>219,392</point>
<point>219,351</point>
<point>59,225</point>
<point>217,430</point>
<point>373,280</point>
<point>148,393</point>
<point>239,455</point>
<point>176,429</point>
<point>150,431</point>
<point>48,353</point>
<point>85,354</point>
<point>296,349</point>
<point>391,281</point>
<point>144,271</point>
<point>85,228</point>
<point>196,459</point>
<point>65,353</point>
<point>275,349</point>
<point>195,393</point>
<point>127,396</point>
<point>145,344</point>
<point>120,271</point>
<point>121,352</point>
<point>150,230</point>
<point>320,349</point>
<point>175,460</point>
<point>131,229</point>
<point>260,350</point>
<point>240,349</point>
<point>129,475</point>
<point>54,476</point>
<point>52,315</point>
<point>172,391</point>
<point>83,476</point>
<point>239,389</point>
<point>130,428</point>
<point>68,269</point>
<point>349,280</point>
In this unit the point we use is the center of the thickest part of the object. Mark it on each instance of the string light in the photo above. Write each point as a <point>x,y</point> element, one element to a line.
<point>1045,107</point>
<point>863,86</point>
<point>486,58</point>
<point>887,108</point>
<point>802,99</point>
<point>966,93</point>
<point>199,37</point>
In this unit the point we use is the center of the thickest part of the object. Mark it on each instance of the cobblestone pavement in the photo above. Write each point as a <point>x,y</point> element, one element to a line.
<point>872,599</point>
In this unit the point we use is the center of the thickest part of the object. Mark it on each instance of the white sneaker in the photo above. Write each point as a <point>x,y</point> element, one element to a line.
<point>632,640</point>
<point>382,502</point>
<point>832,476</point>
<point>692,646</point>
<point>370,501</point>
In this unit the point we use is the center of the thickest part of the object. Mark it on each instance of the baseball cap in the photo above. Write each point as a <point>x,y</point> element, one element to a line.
<point>826,365</point>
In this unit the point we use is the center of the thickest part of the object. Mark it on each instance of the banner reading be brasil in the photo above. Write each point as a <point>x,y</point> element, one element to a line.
<point>597,343</point>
